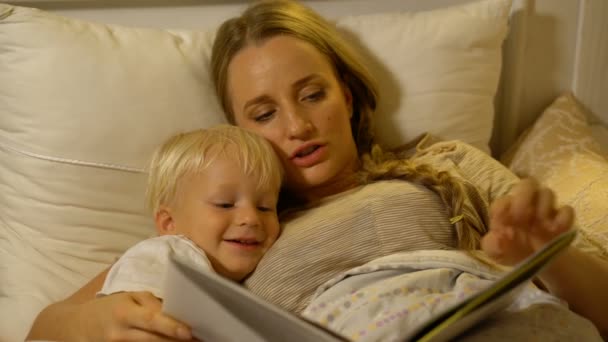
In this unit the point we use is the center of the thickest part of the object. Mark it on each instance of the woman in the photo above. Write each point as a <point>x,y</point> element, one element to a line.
<point>283,72</point>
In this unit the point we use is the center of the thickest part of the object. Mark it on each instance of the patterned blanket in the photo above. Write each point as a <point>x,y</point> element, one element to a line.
<point>390,298</point>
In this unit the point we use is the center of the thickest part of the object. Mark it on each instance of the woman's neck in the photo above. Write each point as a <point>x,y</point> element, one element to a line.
<point>341,182</point>
<point>295,199</point>
<point>344,183</point>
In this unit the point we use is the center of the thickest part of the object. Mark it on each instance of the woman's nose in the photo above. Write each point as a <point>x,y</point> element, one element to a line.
<point>299,125</point>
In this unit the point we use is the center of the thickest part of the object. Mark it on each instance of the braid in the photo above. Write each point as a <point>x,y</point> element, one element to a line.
<point>469,221</point>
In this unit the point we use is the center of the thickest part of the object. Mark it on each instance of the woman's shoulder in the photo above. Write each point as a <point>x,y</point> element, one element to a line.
<point>437,151</point>
<point>468,162</point>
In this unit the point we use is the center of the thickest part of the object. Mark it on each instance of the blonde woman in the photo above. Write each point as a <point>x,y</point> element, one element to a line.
<point>283,72</point>
<point>213,195</point>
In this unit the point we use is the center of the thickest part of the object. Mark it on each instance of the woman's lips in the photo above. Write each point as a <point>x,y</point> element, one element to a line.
<point>310,159</point>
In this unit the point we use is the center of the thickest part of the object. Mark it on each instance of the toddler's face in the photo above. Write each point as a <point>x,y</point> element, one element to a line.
<point>223,212</point>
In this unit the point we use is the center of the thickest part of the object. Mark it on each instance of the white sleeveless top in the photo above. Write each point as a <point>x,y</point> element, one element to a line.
<point>143,266</point>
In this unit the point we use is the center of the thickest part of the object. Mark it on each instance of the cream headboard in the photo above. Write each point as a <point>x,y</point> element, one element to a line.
<point>553,46</point>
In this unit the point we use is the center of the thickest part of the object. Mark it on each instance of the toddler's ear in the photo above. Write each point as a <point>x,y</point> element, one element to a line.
<point>165,225</point>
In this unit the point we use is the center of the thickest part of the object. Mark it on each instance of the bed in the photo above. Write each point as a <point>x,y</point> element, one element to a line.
<point>83,104</point>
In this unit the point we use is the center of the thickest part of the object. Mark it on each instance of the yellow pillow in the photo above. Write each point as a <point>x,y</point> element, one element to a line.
<point>560,151</point>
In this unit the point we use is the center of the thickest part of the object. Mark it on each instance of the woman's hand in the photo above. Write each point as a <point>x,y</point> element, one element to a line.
<point>127,316</point>
<point>132,316</point>
<point>527,219</point>
<point>524,221</point>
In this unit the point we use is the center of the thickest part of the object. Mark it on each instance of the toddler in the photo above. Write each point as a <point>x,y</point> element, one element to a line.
<point>213,194</point>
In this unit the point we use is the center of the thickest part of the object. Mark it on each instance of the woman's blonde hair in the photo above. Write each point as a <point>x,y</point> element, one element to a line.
<point>188,153</point>
<point>269,18</point>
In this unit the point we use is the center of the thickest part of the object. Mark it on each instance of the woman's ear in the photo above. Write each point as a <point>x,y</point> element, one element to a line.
<point>165,224</point>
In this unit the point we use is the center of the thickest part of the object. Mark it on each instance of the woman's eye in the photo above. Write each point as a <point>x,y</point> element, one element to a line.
<point>264,116</point>
<point>316,96</point>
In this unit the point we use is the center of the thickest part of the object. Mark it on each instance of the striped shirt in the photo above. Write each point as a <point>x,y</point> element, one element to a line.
<point>352,228</point>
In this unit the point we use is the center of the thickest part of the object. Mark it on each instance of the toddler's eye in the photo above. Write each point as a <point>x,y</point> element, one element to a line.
<point>265,209</point>
<point>224,205</point>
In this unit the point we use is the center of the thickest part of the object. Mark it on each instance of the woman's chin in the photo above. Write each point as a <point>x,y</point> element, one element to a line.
<point>319,181</point>
<point>309,178</point>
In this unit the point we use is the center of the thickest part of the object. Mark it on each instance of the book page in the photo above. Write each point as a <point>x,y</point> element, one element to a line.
<point>496,297</point>
<point>218,309</point>
<point>209,320</point>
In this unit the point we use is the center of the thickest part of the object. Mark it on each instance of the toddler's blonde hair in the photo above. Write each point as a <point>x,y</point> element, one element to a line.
<point>186,154</point>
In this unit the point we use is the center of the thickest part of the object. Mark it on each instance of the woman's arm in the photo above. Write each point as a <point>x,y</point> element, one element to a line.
<point>48,323</point>
<point>526,220</point>
<point>523,218</point>
<point>128,316</point>
<point>581,280</point>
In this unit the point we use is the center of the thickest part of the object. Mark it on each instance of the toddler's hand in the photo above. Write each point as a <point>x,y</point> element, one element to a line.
<point>524,221</point>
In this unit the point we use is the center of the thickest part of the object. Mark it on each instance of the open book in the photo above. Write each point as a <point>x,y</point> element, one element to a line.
<point>220,310</point>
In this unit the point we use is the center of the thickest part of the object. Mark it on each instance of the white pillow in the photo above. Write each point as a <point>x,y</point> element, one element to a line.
<point>82,106</point>
<point>438,70</point>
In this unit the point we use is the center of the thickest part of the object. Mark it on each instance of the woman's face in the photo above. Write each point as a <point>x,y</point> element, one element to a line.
<point>287,91</point>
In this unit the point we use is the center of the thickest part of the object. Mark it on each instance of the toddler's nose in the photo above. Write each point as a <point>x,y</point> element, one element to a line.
<point>248,216</point>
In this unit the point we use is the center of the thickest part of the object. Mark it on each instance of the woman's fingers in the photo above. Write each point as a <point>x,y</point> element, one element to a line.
<point>564,219</point>
<point>506,247</point>
<point>148,316</point>
<point>524,221</point>
<point>129,316</point>
<point>523,202</point>
<point>545,211</point>
<point>490,244</point>
<point>497,241</point>
<point>499,211</point>
<point>146,299</point>
<point>140,335</point>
